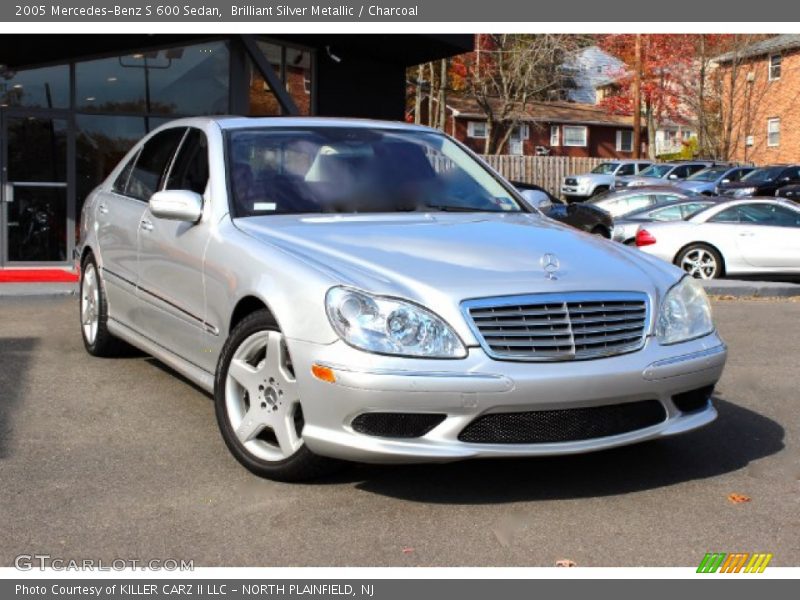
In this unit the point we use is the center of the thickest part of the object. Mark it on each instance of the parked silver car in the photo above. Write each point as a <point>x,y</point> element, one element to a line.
<point>374,292</point>
<point>600,179</point>
<point>623,202</point>
<point>752,236</point>
<point>626,227</point>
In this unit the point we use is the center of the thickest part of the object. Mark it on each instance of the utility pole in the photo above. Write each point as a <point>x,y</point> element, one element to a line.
<point>418,96</point>
<point>443,95</point>
<point>637,98</point>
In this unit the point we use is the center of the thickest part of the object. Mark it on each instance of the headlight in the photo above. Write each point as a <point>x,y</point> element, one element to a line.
<point>744,191</point>
<point>390,326</point>
<point>685,313</point>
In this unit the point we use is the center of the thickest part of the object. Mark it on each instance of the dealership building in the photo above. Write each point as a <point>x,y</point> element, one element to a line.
<point>72,105</point>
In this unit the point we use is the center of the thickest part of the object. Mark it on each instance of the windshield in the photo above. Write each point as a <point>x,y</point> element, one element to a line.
<point>605,168</point>
<point>656,170</point>
<point>762,175</point>
<point>709,174</point>
<point>356,170</point>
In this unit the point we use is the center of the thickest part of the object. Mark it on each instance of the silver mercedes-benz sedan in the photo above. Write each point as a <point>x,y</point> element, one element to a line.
<point>372,291</point>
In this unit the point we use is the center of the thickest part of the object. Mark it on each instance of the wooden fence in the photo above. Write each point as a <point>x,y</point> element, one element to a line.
<point>546,171</point>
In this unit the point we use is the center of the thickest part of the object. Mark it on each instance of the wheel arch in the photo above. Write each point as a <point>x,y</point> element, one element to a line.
<point>247,305</point>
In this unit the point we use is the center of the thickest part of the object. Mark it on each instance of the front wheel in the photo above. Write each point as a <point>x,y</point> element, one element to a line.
<point>701,262</point>
<point>257,404</point>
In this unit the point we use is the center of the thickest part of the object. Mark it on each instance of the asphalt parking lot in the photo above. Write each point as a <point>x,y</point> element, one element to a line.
<point>122,459</point>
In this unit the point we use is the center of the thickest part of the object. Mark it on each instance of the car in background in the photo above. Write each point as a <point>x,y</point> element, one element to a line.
<point>600,179</point>
<point>736,237</point>
<point>790,192</point>
<point>622,202</point>
<point>582,216</point>
<point>625,228</point>
<point>762,182</point>
<point>707,180</point>
<point>663,173</point>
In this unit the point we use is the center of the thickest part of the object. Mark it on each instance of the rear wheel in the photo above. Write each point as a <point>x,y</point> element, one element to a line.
<point>94,314</point>
<point>701,262</point>
<point>258,404</point>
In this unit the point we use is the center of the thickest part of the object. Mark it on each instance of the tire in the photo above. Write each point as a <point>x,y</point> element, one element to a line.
<point>701,261</point>
<point>258,407</point>
<point>600,189</point>
<point>93,314</point>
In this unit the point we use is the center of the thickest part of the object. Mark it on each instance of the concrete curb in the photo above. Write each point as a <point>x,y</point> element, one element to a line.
<point>739,288</point>
<point>11,290</point>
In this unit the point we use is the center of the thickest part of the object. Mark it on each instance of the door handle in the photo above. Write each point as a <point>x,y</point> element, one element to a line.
<point>146,225</point>
<point>746,234</point>
<point>103,208</point>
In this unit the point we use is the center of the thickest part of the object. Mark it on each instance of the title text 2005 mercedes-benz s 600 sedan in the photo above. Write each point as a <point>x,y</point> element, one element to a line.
<point>373,292</point>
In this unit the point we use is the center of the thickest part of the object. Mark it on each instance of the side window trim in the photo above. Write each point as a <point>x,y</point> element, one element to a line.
<point>132,164</point>
<point>202,147</point>
<point>168,172</point>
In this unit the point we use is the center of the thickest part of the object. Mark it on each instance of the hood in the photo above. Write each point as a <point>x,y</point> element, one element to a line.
<point>453,257</point>
<point>695,186</point>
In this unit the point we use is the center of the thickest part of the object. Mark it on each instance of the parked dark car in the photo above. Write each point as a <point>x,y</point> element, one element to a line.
<point>762,182</point>
<point>579,215</point>
<point>625,228</point>
<point>790,192</point>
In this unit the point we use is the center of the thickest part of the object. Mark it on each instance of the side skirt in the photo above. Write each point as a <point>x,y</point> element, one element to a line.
<point>195,374</point>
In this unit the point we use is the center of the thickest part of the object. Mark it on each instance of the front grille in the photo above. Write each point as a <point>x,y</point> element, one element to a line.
<point>567,425</point>
<point>396,425</point>
<point>570,181</point>
<point>560,326</point>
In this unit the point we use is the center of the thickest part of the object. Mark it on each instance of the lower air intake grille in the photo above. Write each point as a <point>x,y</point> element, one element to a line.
<point>694,399</point>
<point>567,425</point>
<point>396,425</point>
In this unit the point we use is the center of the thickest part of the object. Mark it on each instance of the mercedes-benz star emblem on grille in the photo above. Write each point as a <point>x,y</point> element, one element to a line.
<point>550,265</point>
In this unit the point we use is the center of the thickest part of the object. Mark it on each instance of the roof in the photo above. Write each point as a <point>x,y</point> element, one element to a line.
<point>239,122</point>
<point>778,43</point>
<point>544,112</point>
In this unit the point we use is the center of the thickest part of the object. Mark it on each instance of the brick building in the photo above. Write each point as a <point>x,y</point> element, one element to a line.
<point>548,128</point>
<point>763,81</point>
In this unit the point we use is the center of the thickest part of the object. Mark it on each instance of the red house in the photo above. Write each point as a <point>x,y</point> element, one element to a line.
<point>548,128</point>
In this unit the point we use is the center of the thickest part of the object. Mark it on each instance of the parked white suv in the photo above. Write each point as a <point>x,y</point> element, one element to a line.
<point>599,179</point>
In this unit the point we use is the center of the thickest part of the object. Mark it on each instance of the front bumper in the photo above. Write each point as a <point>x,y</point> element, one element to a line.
<point>477,385</point>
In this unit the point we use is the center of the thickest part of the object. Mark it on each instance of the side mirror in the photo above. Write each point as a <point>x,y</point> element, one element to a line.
<point>726,180</point>
<point>177,205</point>
<point>672,176</point>
<point>537,199</point>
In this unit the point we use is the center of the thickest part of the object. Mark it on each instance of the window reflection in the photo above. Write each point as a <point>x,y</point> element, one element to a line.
<point>40,88</point>
<point>187,80</point>
<point>293,67</point>
<point>101,142</point>
<point>37,149</point>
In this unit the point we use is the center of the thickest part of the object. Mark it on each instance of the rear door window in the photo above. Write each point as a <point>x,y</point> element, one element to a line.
<point>190,169</point>
<point>628,169</point>
<point>148,174</point>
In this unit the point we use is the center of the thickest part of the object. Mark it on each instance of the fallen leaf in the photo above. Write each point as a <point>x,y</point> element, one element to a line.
<point>738,498</point>
<point>565,562</point>
<point>408,550</point>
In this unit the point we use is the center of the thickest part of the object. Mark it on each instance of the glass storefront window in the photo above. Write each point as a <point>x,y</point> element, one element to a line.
<point>37,149</point>
<point>191,80</point>
<point>101,142</point>
<point>293,66</point>
<point>47,87</point>
<point>37,224</point>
